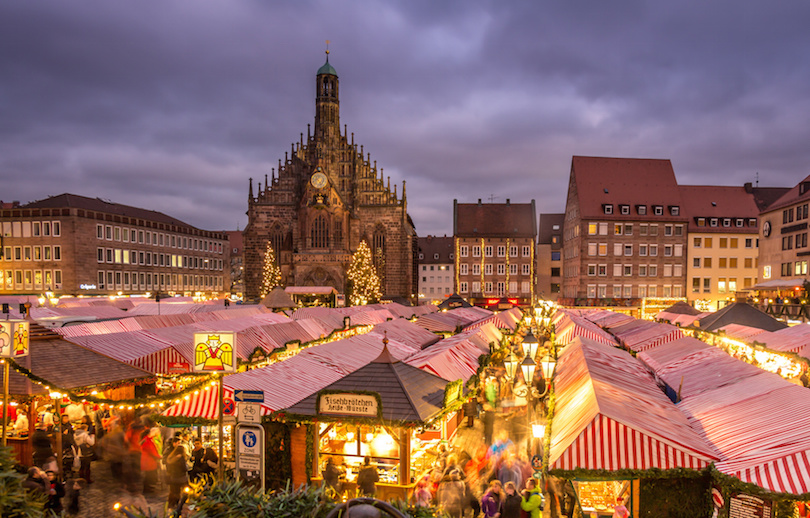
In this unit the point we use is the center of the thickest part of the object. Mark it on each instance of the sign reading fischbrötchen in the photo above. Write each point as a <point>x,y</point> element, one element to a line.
<point>364,405</point>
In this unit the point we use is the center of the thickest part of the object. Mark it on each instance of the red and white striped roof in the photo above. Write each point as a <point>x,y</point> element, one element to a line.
<point>741,332</point>
<point>641,335</point>
<point>288,382</point>
<point>456,357</point>
<point>608,319</point>
<point>604,403</point>
<point>571,326</point>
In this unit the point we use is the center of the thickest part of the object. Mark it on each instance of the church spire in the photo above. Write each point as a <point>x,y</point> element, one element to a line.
<point>327,105</point>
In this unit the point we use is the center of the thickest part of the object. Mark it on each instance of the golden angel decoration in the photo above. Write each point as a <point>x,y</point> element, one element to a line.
<point>13,338</point>
<point>214,352</point>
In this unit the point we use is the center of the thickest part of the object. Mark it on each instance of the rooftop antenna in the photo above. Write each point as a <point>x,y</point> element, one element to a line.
<point>757,177</point>
<point>492,197</point>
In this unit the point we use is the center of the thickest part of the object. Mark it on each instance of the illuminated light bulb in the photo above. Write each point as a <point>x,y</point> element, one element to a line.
<point>94,393</point>
<point>117,506</point>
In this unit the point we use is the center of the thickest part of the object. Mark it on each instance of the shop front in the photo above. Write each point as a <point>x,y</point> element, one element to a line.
<point>387,413</point>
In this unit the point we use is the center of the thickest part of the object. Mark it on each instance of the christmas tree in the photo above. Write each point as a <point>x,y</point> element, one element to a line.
<point>364,283</point>
<point>15,501</point>
<point>271,273</point>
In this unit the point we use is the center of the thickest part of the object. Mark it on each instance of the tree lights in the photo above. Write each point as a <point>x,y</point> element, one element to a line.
<point>364,283</point>
<point>271,273</point>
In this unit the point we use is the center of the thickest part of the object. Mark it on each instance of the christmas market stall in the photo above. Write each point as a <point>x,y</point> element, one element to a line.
<point>613,432</point>
<point>377,412</point>
<point>58,376</point>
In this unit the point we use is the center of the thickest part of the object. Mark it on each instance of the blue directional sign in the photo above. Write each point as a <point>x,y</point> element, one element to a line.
<point>250,396</point>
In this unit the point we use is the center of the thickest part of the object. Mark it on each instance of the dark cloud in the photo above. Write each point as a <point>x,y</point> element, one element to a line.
<point>173,105</point>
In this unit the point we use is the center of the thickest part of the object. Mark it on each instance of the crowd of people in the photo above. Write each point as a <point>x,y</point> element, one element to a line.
<point>140,454</point>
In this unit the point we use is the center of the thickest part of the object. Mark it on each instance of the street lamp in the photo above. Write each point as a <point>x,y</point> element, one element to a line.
<point>530,344</point>
<point>510,364</point>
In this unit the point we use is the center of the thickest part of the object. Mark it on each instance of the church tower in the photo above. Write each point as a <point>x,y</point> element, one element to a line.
<point>327,103</point>
<point>325,197</point>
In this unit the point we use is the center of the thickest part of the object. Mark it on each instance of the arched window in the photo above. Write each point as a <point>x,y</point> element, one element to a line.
<point>378,249</point>
<point>320,232</point>
<point>276,239</point>
<point>338,234</point>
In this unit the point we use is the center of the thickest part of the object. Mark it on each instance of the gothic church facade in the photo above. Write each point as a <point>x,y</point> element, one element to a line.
<point>326,198</point>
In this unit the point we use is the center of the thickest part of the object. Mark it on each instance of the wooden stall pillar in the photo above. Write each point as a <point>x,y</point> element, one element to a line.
<point>404,456</point>
<point>316,441</point>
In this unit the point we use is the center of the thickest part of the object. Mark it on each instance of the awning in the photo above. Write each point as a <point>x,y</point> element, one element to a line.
<point>604,403</point>
<point>778,284</point>
<point>310,290</point>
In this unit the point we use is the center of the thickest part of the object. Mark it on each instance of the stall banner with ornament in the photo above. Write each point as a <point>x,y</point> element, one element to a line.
<point>215,352</point>
<point>13,338</point>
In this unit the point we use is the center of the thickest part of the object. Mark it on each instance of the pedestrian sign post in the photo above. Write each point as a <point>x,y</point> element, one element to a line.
<point>250,454</point>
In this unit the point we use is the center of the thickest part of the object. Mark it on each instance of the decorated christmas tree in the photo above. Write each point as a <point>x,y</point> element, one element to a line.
<point>271,273</point>
<point>364,283</point>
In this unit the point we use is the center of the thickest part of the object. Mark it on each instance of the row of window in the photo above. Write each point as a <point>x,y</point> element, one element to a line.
<point>118,256</point>
<point>626,250</point>
<point>439,291</point>
<point>801,213</point>
<point>724,262</point>
<point>644,270</point>
<point>794,268</point>
<point>435,257</point>
<point>437,267</point>
<point>726,222</point>
<point>724,285</point>
<point>439,278</point>
<point>600,291</point>
<point>800,241</point>
<point>30,280</point>
<point>722,242</point>
<point>109,280</point>
<point>641,210</point>
<point>32,253</point>
<point>146,237</point>
<point>32,229</point>
<point>626,229</point>
<point>463,251</point>
<point>496,288</point>
<point>475,268</point>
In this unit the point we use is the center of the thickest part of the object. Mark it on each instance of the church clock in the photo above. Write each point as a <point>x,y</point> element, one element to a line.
<point>318,179</point>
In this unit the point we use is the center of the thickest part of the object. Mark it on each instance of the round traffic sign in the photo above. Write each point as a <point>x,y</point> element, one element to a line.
<point>249,439</point>
<point>228,406</point>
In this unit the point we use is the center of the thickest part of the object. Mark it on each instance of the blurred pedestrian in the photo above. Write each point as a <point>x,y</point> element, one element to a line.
<point>85,447</point>
<point>510,508</point>
<point>176,472</point>
<point>367,478</point>
<point>492,500</point>
<point>150,459</point>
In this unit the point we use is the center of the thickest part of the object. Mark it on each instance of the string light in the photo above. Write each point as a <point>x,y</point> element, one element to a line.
<point>271,273</point>
<point>363,277</point>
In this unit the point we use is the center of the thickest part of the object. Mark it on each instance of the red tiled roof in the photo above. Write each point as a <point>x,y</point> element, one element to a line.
<point>431,245</point>
<point>717,201</point>
<point>494,219</point>
<point>794,195</point>
<point>99,205</point>
<point>626,181</point>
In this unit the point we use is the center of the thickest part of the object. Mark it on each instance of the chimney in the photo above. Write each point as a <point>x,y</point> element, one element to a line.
<point>479,201</point>
<point>748,186</point>
<point>507,201</point>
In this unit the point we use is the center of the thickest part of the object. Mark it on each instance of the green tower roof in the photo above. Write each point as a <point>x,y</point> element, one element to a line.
<point>327,69</point>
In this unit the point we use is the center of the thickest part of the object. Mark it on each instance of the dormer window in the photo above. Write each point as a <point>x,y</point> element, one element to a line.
<point>451,257</point>
<point>608,208</point>
<point>421,256</point>
<point>701,222</point>
<point>726,222</point>
<point>739,222</point>
<point>436,257</point>
<point>674,210</point>
<point>713,222</point>
<point>752,222</point>
<point>624,209</point>
<point>658,210</point>
<point>641,209</point>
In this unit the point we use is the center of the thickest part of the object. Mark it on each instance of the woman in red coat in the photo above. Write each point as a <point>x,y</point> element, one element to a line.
<point>150,459</point>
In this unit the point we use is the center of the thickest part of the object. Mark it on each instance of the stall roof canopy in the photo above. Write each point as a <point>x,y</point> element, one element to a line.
<point>454,301</point>
<point>310,290</point>
<point>740,313</point>
<point>778,284</point>
<point>681,308</point>
<point>70,366</point>
<point>278,299</point>
<point>611,415</point>
<point>407,393</point>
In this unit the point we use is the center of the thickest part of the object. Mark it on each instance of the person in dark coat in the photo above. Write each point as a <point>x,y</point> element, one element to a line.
<point>489,423</point>
<point>510,508</point>
<point>471,411</point>
<point>41,443</point>
<point>55,494</point>
<point>176,471</point>
<point>367,478</point>
<point>332,475</point>
<point>36,482</point>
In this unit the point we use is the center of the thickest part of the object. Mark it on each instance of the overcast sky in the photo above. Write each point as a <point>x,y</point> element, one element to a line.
<point>173,105</point>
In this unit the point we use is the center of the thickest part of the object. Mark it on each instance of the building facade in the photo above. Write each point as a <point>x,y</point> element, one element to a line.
<point>436,275</point>
<point>722,246</point>
<point>73,245</point>
<point>783,245</point>
<point>495,249</point>
<point>549,256</point>
<point>327,197</point>
<point>624,233</point>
